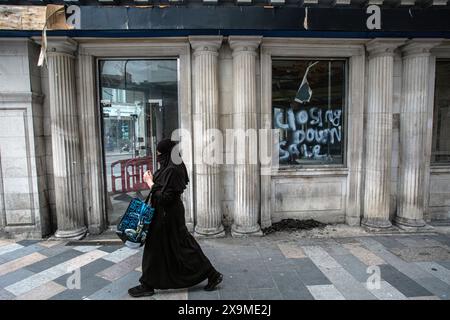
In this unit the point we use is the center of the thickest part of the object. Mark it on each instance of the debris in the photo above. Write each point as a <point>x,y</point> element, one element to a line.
<point>292,225</point>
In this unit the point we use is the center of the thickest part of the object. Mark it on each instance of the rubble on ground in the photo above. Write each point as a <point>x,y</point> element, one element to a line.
<point>293,225</point>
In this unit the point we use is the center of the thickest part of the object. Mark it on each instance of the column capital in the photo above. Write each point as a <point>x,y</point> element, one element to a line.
<point>383,47</point>
<point>247,44</point>
<point>416,47</point>
<point>206,44</point>
<point>58,45</point>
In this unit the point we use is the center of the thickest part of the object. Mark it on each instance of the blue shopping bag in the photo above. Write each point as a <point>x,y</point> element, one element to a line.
<point>134,224</point>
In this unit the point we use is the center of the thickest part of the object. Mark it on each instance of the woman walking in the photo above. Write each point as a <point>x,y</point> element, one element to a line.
<point>172,257</point>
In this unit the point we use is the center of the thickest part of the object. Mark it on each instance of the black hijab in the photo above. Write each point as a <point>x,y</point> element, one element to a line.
<point>169,176</point>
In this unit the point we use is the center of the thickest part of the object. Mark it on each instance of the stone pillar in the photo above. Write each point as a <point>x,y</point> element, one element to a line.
<point>413,132</point>
<point>206,117</point>
<point>65,139</point>
<point>379,132</point>
<point>246,173</point>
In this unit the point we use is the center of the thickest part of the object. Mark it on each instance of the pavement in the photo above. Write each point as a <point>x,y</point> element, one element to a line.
<point>293,266</point>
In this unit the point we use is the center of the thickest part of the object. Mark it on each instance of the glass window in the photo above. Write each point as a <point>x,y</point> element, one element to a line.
<point>441,116</point>
<point>139,103</point>
<point>308,102</point>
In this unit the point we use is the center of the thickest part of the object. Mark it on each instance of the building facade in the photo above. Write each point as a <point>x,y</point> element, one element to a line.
<point>360,99</point>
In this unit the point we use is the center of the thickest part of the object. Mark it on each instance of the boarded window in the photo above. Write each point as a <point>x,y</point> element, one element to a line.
<point>308,101</point>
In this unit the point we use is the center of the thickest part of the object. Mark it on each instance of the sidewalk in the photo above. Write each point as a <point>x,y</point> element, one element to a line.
<point>278,266</point>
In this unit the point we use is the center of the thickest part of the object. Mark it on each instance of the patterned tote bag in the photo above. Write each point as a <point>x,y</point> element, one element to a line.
<point>133,226</point>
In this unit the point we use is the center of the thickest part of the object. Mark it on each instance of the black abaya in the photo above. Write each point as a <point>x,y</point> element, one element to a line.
<point>172,257</point>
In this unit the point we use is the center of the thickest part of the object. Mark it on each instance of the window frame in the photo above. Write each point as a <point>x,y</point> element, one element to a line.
<point>434,163</point>
<point>318,164</point>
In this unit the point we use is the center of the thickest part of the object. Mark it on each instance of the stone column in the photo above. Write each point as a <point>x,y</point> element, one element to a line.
<point>379,132</point>
<point>206,118</point>
<point>246,174</point>
<point>413,132</point>
<point>65,139</point>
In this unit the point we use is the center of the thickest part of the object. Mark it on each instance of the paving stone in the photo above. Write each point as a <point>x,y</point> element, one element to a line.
<point>402,283</point>
<point>259,279</point>
<point>237,294</point>
<point>118,288</point>
<point>172,294</point>
<point>409,269</point>
<point>53,261</point>
<point>325,292</point>
<point>13,277</point>
<point>120,254</point>
<point>417,254</point>
<point>233,280</point>
<point>55,249</point>
<point>291,250</point>
<point>385,292</point>
<point>336,249</point>
<point>445,240</point>
<point>88,271</point>
<point>22,252</point>
<point>445,264</point>
<point>6,295</point>
<point>435,286</point>
<point>436,270</point>
<point>353,265</point>
<point>85,248</point>
<point>265,294</point>
<point>290,286</point>
<point>346,240</point>
<point>43,292</point>
<point>110,248</point>
<point>424,298</point>
<point>54,272</point>
<point>52,243</point>
<point>366,256</point>
<point>9,248</point>
<point>389,242</point>
<point>28,242</point>
<point>88,286</point>
<point>309,273</point>
<point>197,293</point>
<point>19,263</point>
<point>120,269</point>
<point>343,281</point>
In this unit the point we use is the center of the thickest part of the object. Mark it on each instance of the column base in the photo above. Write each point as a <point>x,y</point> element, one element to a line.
<point>239,232</point>
<point>209,232</point>
<point>409,224</point>
<point>353,221</point>
<point>71,234</point>
<point>190,226</point>
<point>376,223</point>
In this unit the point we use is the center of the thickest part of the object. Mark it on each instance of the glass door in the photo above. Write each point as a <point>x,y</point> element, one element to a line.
<point>139,104</point>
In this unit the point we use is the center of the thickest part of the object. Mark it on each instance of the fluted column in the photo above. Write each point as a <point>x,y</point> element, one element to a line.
<point>413,132</point>
<point>246,175</point>
<point>65,139</point>
<point>206,119</point>
<point>379,132</point>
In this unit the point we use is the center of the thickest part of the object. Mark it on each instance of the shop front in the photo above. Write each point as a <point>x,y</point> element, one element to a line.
<point>360,117</point>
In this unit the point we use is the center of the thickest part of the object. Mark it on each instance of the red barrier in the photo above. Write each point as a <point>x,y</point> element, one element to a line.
<point>131,174</point>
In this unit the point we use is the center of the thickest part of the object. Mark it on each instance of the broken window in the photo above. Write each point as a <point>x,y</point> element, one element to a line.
<point>308,107</point>
<point>440,153</point>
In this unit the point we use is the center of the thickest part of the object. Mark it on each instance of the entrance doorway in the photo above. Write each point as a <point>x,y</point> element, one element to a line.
<point>139,107</point>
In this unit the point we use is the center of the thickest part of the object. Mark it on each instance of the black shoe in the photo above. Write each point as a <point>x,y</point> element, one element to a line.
<point>141,291</point>
<point>214,282</point>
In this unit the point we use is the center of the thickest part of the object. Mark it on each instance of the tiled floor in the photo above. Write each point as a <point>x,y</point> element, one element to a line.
<point>414,266</point>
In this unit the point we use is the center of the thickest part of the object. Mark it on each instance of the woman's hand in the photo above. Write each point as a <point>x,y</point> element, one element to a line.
<point>148,178</point>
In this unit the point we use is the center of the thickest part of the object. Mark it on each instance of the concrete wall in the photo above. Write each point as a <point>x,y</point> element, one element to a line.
<point>27,195</point>
<point>23,182</point>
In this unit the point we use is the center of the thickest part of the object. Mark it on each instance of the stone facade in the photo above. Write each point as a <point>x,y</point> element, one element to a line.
<point>49,116</point>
